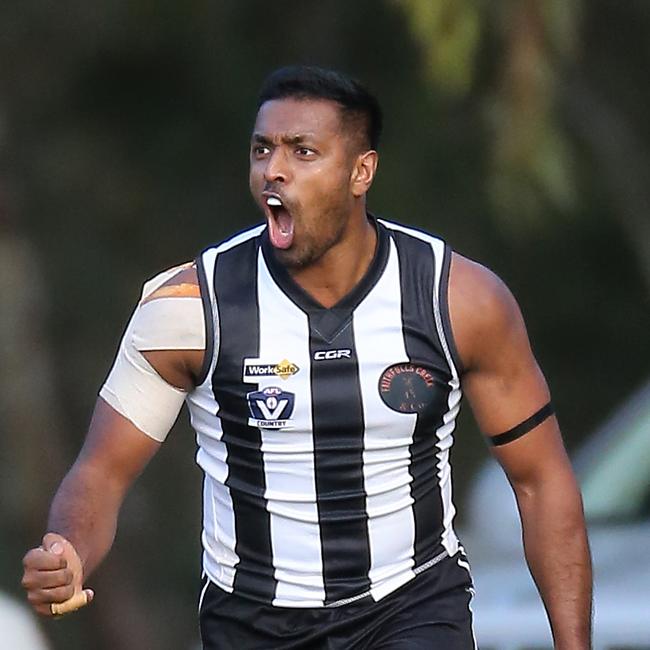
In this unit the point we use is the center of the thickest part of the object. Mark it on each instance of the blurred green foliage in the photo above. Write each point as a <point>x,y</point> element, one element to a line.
<point>531,168</point>
<point>515,129</point>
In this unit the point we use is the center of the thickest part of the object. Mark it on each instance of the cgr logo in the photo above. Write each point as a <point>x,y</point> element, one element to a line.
<point>327,355</point>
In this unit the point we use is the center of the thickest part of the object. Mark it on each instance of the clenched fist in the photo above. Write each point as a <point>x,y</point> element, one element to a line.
<point>53,577</point>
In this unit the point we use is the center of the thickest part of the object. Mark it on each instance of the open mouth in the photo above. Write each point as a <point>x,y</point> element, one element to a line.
<point>280,221</point>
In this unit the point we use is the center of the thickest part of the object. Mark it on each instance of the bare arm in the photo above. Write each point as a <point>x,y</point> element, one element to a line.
<point>115,452</point>
<point>87,503</point>
<point>505,386</point>
<point>83,516</point>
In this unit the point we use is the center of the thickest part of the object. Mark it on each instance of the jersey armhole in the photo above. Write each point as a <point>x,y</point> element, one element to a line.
<point>208,320</point>
<point>444,309</point>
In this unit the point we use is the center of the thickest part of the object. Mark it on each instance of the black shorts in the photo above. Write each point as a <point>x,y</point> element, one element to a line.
<point>430,611</point>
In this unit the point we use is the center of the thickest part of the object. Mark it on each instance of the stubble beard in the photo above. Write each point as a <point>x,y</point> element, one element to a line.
<point>314,246</point>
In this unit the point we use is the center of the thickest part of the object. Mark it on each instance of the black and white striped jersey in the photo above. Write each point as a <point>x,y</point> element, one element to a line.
<point>324,434</point>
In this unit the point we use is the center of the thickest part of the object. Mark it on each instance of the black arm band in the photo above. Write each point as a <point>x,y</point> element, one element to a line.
<point>524,427</point>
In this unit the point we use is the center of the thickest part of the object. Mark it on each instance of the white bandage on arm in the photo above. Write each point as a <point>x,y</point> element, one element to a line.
<point>133,387</point>
<point>136,391</point>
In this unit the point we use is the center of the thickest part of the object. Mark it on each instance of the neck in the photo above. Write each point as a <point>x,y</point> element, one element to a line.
<point>343,266</point>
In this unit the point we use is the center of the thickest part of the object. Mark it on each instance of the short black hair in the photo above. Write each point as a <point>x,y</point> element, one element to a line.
<point>312,82</point>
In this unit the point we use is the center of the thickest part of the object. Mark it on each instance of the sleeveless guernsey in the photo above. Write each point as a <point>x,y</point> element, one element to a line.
<point>324,434</point>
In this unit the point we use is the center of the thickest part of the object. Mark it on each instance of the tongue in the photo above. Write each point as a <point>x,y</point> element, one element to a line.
<point>281,229</point>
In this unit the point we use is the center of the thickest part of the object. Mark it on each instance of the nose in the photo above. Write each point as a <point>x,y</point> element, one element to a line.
<point>276,170</point>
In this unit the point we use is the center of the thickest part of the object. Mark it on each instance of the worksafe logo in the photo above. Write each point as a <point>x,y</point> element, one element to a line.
<point>270,408</point>
<point>253,369</point>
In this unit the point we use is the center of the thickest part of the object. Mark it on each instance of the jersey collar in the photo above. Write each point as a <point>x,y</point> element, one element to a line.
<point>352,299</point>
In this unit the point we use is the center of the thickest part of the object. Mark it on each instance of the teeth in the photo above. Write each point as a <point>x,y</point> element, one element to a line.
<point>272,200</point>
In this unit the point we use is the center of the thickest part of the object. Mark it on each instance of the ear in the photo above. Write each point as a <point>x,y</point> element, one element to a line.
<point>363,172</point>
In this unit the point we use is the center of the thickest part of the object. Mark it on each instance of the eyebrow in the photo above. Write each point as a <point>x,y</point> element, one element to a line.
<point>285,139</point>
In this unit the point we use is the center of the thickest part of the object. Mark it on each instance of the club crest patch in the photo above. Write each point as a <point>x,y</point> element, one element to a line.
<point>270,408</point>
<point>407,388</point>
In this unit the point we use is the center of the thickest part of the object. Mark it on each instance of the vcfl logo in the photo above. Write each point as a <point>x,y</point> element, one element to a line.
<point>327,355</point>
<point>271,408</point>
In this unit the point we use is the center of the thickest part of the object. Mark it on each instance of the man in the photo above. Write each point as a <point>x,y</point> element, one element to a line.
<point>322,357</point>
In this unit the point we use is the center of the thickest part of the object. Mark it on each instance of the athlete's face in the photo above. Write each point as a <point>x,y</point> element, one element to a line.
<point>302,164</point>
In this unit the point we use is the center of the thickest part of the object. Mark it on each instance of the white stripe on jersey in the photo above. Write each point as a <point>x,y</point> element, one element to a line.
<point>289,458</point>
<point>218,538</point>
<point>388,434</point>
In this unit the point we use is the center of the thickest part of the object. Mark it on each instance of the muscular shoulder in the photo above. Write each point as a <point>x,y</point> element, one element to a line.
<point>484,314</point>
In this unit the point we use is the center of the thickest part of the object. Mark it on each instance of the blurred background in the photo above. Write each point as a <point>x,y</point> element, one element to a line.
<point>516,129</point>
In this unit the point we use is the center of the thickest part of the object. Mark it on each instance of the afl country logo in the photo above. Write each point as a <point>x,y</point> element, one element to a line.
<point>271,408</point>
<point>407,388</point>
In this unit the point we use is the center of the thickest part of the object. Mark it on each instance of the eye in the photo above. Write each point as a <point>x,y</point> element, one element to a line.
<point>260,150</point>
<point>305,152</point>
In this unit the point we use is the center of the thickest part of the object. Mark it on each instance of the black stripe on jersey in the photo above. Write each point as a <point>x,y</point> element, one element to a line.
<point>338,460</point>
<point>238,313</point>
<point>417,273</point>
<point>444,310</point>
<point>208,320</point>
